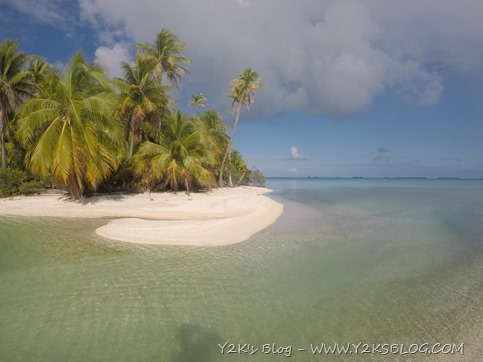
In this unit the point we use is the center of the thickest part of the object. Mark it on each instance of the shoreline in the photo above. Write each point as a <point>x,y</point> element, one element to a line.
<point>218,217</point>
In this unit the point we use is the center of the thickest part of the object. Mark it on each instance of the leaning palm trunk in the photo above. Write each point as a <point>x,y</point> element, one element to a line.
<point>242,94</point>
<point>2,138</point>
<point>131,136</point>
<point>4,152</point>
<point>241,177</point>
<point>228,150</point>
<point>230,181</point>
<point>131,143</point>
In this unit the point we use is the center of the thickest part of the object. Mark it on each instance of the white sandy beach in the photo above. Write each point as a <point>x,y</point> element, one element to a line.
<point>219,217</point>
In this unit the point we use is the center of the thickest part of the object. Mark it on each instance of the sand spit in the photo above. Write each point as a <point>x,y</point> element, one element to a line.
<point>219,217</point>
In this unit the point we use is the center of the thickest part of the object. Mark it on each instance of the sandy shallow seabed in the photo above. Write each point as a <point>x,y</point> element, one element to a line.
<point>219,217</point>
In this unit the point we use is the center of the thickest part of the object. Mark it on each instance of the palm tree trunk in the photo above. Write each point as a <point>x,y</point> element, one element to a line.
<point>4,152</point>
<point>2,138</point>
<point>131,135</point>
<point>242,177</point>
<point>131,143</point>
<point>230,142</point>
<point>230,181</point>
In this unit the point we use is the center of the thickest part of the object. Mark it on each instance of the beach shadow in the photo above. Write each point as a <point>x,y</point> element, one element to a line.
<point>65,197</point>
<point>196,343</point>
<point>91,200</point>
<point>94,199</point>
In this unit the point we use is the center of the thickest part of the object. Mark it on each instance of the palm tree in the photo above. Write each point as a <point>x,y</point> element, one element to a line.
<point>243,94</point>
<point>240,169</point>
<point>177,156</point>
<point>15,86</point>
<point>198,100</point>
<point>69,129</point>
<point>211,126</point>
<point>141,99</point>
<point>166,54</point>
<point>39,68</point>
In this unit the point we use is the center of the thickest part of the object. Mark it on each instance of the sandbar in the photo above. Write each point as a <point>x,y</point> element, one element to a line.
<point>218,217</point>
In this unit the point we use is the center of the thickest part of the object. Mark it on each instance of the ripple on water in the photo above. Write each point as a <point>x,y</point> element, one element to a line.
<point>317,273</point>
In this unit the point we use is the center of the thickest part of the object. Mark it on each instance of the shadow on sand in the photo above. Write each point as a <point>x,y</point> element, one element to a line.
<point>92,200</point>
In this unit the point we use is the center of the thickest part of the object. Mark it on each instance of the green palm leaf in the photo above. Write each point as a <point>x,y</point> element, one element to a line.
<point>16,85</point>
<point>177,157</point>
<point>71,130</point>
<point>243,94</point>
<point>165,56</point>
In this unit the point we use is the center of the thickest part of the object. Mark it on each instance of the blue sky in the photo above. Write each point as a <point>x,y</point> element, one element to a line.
<point>371,88</point>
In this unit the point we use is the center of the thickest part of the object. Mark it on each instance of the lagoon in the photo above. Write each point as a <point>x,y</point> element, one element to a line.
<point>349,261</point>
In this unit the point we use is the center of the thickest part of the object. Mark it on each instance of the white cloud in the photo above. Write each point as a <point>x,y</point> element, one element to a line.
<point>244,3</point>
<point>326,57</point>
<point>46,11</point>
<point>294,154</point>
<point>111,58</point>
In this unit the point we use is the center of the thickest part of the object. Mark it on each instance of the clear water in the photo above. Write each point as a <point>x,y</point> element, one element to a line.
<point>373,261</point>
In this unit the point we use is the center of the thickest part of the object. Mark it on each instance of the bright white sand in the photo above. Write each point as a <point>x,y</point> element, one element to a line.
<point>219,217</point>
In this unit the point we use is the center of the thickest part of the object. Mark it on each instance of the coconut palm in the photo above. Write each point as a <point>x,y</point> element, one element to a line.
<point>142,99</point>
<point>242,93</point>
<point>211,126</point>
<point>69,129</point>
<point>198,100</point>
<point>176,156</point>
<point>239,167</point>
<point>166,54</point>
<point>15,86</point>
<point>39,69</point>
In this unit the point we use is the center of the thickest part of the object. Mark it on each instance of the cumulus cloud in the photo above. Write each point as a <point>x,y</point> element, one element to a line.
<point>45,11</point>
<point>244,3</point>
<point>324,57</point>
<point>112,57</point>
<point>294,154</point>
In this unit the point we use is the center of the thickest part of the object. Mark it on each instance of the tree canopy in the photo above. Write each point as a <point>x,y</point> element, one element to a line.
<point>80,130</point>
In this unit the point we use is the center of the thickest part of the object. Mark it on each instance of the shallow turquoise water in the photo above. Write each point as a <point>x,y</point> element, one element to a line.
<point>377,261</point>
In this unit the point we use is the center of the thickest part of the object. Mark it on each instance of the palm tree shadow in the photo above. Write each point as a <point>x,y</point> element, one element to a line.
<point>196,343</point>
<point>91,200</point>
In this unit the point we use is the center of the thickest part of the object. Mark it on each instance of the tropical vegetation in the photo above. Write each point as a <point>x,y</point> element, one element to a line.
<point>70,130</point>
<point>84,132</point>
<point>15,86</point>
<point>242,93</point>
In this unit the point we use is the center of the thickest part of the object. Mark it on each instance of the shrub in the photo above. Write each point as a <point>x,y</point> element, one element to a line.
<point>14,182</point>
<point>257,177</point>
<point>31,187</point>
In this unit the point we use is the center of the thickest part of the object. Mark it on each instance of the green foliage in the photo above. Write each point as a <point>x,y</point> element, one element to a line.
<point>242,93</point>
<point>177,156</point>
<point>81,131</point>
<point>257,177</point>
<point>69,130</point>
<point>141,99</point>
<point>213,131</point>
<point>15,155</point>
<point>198,100</point>
<point>239,170</point>
<point>15,86</point>
<point>121,180</point>
<point>166,55</point>
<point>31,187</point>
<point>15,181</point>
